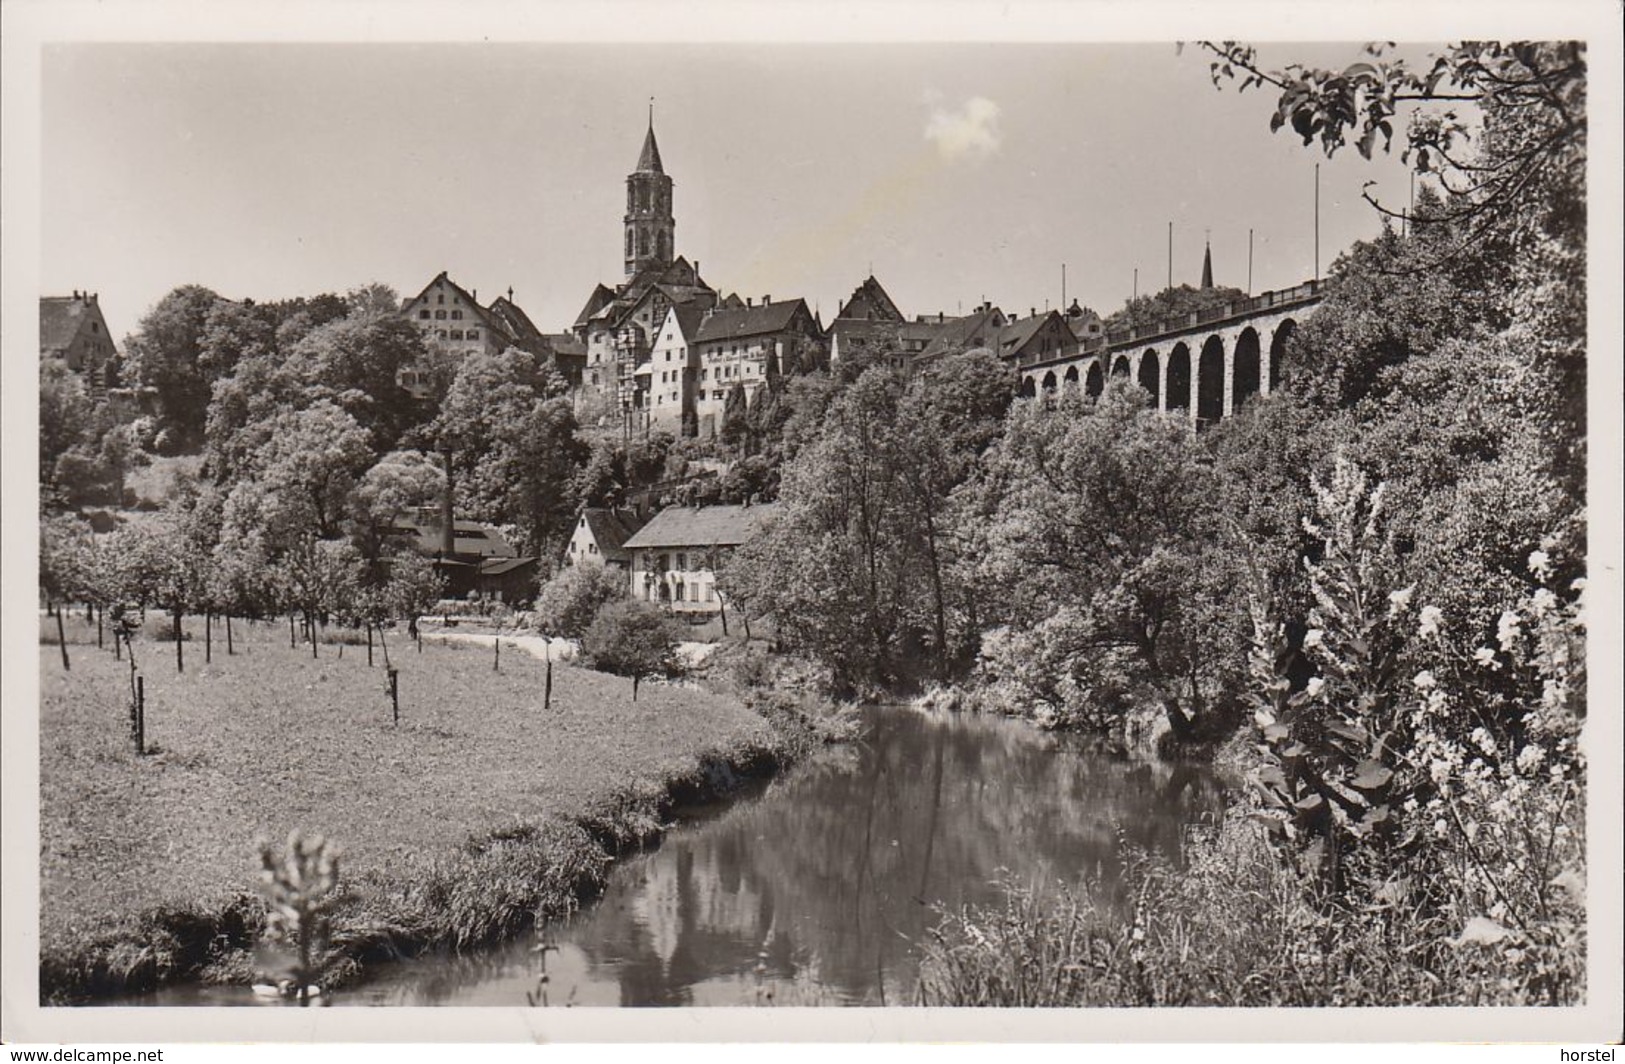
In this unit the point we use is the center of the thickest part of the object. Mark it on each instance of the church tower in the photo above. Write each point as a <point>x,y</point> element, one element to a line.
<point>649,223</point>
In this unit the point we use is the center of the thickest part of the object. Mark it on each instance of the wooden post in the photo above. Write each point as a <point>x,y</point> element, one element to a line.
<point>496,660</point>
<point>547,686</point>
<point>229,650</point>
<point>99,628</point>
<point>62,640</point>
<point>310,623</point>
<point>180,662</point>
<point>369,644</point>
<point>293,640</point>
<point>140,714</point>
<point>395,696</point>
<point>634,687</point>
<point>208,636</point>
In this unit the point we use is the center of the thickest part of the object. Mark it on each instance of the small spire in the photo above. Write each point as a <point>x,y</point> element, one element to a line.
<point>1207,265</point>
<point>649,160</point>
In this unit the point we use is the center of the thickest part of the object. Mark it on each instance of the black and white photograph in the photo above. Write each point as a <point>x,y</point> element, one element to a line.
<point>649,523</point>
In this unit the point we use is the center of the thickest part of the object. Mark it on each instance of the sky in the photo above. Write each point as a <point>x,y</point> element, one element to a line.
<point>956,172</point>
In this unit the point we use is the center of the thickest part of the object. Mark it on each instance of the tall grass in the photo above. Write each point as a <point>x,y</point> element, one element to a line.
<point>1239,925</point>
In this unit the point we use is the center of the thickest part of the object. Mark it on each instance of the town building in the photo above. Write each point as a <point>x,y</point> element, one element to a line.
<point>1037,336</point>
<point>868,326</point>
<point>600,536</point>
<point>455,325</point>
<point>673,372</point>
<point>675,555</point>
<point>476,559</point>
<point>1084,323</point>
<point>72,329</point>
<point>745,347</point>
<point>980,328</point>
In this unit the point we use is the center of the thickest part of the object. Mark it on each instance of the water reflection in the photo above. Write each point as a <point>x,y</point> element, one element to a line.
<point>820,890</point>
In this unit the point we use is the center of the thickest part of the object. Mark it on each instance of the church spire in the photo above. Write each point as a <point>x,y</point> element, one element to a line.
<point>650,228</point>
<point>1207,265</point>
<point>649,159</point>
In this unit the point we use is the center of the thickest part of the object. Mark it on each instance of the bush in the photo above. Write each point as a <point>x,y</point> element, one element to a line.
<point>568,603</point>
<point>631,638</point>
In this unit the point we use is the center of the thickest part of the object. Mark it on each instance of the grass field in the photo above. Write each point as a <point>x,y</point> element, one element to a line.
<point>436,817</point>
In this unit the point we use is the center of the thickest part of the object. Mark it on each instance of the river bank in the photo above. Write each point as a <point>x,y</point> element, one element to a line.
<point>473,816</point>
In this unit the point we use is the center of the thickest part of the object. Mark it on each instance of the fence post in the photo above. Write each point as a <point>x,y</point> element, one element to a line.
<point>61,639</point>
<point>369,644</point>
<point>208,636</point>
<point>140,714</point>
<point>99,628</point>
<point>229,650</point>
<point>395,696</point>
<point>496,660</point>
<point>547,686</point>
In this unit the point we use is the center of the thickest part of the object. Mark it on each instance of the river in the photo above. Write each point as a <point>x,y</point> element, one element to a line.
<point>819,887</point>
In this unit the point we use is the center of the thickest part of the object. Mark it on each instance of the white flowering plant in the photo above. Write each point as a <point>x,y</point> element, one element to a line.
<point>1431,777</point>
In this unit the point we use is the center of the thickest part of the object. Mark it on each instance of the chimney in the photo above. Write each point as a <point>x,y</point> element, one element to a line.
<point>767,301</point>
<point>474,294</point>
<point>1032,312</point>
<point>448,520</point>
<point>939,317</point>
<point>748,302</point>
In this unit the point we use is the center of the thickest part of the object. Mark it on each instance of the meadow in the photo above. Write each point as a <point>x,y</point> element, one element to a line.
<point>473,815</point>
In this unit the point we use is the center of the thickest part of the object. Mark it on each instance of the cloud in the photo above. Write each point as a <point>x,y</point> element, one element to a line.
<point>972,132</point>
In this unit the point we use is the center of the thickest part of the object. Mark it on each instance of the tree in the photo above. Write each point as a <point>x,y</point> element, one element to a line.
<point>1172,305</point>
<point>1531,96</point>
<point>568,603</point>
<point>355,362</point>
<point>394,487</point>
<point>164,355</point>
<point>1101,538</point>
<point>631,638</point>
<point>735,417</point>
<point>515,452</point>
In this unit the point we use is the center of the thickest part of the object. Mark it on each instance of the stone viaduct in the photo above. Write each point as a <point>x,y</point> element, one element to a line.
<point>1207,364</point>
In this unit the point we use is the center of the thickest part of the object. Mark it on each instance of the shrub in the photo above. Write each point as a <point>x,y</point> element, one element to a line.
<point>631,638</point>
<point>568,603</point>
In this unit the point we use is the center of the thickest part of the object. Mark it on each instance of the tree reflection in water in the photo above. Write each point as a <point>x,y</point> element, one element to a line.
<point>820,890</point>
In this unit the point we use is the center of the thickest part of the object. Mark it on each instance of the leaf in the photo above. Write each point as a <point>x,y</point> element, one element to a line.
<point>1369,775</point>
<point>1481,930</point>
<point>1352,732</point>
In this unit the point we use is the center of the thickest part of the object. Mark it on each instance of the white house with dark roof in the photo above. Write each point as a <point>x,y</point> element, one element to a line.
<point>455,325</point>
<point>600,536</point>
<point>674,556</point>
<point>736,347</point>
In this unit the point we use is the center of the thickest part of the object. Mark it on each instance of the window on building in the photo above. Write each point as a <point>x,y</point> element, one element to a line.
<point>592,548</point>
<point>440,315</point>
<point>424,313</point>
<point>456,315</point>
<point>473,334</point>
<point>682,561</point>
<point>457,334</point>
<point>440,298</point>
<point>441,333</point>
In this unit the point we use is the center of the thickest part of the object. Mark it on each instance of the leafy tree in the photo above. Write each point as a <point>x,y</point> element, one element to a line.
<point>355,363</point>
<point>516,456</point>
<point>1104,541</point>
<point>394,487</point>
<point>631,638</point>
<point>82,453</point>
<point>1173,305</point>
<point>735,417</point>
<point>164,355</point>
<point>567,604</point>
